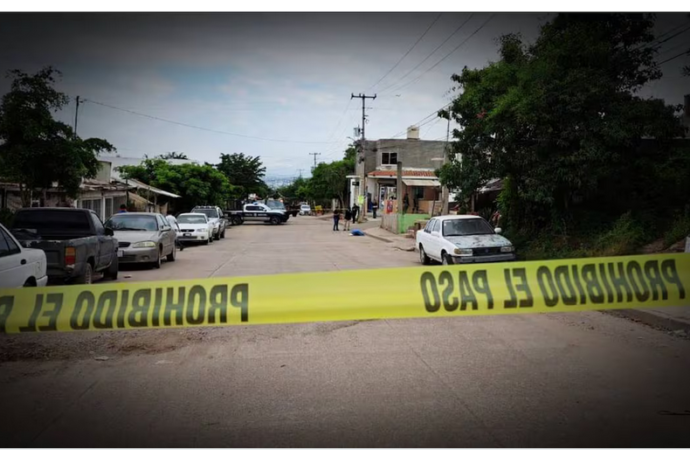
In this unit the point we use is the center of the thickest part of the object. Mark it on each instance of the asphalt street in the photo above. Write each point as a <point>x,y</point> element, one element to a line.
<point>561,380</point>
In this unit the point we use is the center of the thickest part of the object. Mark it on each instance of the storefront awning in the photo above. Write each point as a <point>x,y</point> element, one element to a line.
<point>421,182</point>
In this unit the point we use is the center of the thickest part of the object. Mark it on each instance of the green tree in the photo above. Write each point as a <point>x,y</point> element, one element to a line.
<point>245,172</point>
<point>37,150</point>
<point>197,184</point>
<point>561,120</point>
<point>174,155</point>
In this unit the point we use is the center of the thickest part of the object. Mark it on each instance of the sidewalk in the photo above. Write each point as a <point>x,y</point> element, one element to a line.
<point>399,241</point>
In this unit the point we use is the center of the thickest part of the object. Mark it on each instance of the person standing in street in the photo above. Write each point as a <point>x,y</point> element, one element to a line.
<point>355,213</point>
<point>374,208</point>
<point>348,218</point>
<point>336,219</point>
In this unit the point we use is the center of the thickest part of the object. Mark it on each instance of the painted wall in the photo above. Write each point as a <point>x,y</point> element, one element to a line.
<point>389,222</point>
<point>406,221</point>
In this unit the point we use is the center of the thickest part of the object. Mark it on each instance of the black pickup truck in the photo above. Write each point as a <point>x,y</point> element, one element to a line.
<point>75,242</point>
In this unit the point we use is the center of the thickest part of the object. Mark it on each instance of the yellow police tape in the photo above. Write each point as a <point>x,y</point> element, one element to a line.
<point>488,289</point>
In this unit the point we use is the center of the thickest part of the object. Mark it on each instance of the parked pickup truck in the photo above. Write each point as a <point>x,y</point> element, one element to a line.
<point>257,213</point>
<point>75,242</point>
<point>280,206</point>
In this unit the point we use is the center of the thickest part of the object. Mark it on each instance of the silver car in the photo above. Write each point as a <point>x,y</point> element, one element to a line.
<point>144,238</point>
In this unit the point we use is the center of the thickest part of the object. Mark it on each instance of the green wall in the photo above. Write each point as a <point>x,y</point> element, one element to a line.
<point>405,221</point>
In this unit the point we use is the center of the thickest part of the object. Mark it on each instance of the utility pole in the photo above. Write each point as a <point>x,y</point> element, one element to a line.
<point>76,115</point>
<point>363,185</point>
<point>315,155</point>
<point>444,188</point>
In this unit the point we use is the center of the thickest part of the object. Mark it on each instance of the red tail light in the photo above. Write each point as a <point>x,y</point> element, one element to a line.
<point>70,256</point>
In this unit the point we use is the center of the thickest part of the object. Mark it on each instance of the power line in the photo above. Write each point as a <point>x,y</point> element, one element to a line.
<point>674,48</point>
<point>203,128</point>
<point>686,52</point>
<point>407,52</point>
<point>419,123</point>
<point>447,55</point>
<point>672,36</point>
<point>428,56</point>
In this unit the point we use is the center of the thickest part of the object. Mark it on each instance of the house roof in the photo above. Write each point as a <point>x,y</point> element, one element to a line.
<point>140,185</point>
<point>405,174</point>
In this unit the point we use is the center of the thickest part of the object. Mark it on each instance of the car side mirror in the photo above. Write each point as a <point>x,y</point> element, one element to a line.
<point>498,230</point>
<point>109,231</point>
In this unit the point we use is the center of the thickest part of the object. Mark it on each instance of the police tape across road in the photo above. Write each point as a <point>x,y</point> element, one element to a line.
<point>488,289</point>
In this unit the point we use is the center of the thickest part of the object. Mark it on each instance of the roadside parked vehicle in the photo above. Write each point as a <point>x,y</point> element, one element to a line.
<point>19,266</point>
<point>305,210</point>
<point>195,227</point>
<point>144,238</point>
<point>75,242</point>
<point>258,213</point>
<point>462,239</point>
<point>215,216</point>
<point>278,205</point>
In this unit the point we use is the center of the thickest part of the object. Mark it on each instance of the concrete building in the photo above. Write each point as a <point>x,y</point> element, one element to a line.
<point>375,176</point>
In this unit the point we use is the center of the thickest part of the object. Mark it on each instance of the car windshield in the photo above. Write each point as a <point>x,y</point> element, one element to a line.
<point>191,219</point>
<point>275,204</point>
<point>466,227</point>
<point>132,222</point>
<point>305,206</point>
<point>210,213</point>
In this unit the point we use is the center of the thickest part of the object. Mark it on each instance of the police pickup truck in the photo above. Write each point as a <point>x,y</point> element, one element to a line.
<point>257,213</point>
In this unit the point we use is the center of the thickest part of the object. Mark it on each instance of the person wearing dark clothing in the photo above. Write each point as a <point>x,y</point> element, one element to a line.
<point>406,203</point>
<point>355,213</point>
<point>348,218</point>
<point>374,208</point>
<point>336,219</point>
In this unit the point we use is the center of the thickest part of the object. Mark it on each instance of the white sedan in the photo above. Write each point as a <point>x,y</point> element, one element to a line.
<point>19,266</point>
<point>194,227</point>
<point>462,239</point>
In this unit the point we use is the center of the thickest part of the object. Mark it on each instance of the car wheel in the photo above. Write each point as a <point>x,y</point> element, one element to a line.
<point>159,260</point>
<point>207,241</point>
<point>222,235</point>
<point>275,220</point>
<point>30,283</point>
<point>446,260</point>
<point>173,254</point>
<point>86,277</point>
<point>423,258</point>
<point>111,272</point>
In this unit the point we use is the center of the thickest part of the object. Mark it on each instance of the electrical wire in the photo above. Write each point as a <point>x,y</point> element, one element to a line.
<point>447,55</point>
<point>259,138</point>
<point>407,52</point>
<point>429,55</point>
<point>686,52</point>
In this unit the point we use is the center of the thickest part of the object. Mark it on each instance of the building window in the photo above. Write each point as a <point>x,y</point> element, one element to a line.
<point>389,158</point>
<point>418,192</point>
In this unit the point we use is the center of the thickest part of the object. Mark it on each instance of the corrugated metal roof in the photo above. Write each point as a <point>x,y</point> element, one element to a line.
<point>141,185</point>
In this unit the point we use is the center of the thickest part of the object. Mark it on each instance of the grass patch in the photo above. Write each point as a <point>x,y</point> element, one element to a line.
<point>679,230</point>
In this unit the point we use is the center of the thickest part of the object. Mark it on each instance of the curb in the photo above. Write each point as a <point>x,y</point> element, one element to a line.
<point>650,319</point>
<point>378,237</point>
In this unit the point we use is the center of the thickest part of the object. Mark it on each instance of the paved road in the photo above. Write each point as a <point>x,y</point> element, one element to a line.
<point>543,380</point>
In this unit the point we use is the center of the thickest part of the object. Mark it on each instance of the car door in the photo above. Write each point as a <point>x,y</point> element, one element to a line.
<point>263,214</point>
<point>166,234</point>
<point>105,247</point>
<point>435,240</point>
<point>14,270</point>
<point>252,213</point>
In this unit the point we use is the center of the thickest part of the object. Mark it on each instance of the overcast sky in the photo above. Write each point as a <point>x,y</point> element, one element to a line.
<point>281,77</point>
